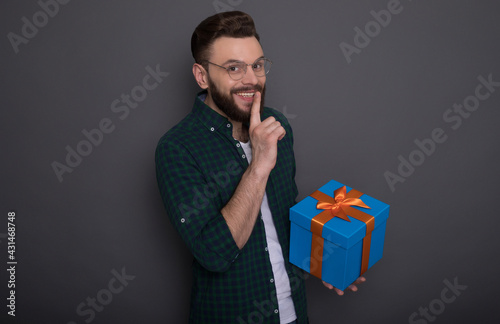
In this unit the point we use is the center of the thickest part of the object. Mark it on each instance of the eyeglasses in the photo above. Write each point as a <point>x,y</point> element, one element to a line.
<point>237,70</point>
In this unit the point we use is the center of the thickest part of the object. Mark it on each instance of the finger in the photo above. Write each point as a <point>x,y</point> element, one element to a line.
<point>269,122</point>
<point>279,132</point>
<point>353,288</point>
<point>282,135</point>
<point>255,112</point>
<point>271,125</point>
<point>274,126</point>
<point>339,292</point>
<point>360,280</point>
<point>327,285</point>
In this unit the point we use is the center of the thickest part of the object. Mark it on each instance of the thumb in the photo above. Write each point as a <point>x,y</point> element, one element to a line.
<point>255,112</point>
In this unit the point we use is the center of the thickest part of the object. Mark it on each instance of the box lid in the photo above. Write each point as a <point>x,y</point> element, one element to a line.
<point>337,230</point>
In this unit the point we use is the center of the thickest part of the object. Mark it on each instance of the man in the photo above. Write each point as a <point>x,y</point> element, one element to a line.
<point>226,174</point>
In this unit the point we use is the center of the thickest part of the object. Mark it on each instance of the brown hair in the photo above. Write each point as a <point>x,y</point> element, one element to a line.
<point>235,24</point>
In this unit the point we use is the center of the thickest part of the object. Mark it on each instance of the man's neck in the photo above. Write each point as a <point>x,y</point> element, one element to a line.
<point>240,131</point>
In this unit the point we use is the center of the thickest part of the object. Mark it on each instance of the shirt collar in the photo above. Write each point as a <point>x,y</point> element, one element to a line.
<point>211,119</point>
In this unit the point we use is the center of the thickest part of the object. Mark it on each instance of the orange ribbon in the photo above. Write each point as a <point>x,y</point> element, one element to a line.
<point>338,206</point>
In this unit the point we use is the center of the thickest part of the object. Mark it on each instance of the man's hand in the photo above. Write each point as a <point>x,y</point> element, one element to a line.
<point>351,287</point>
<point>242,209</point>
<point>264,136</point>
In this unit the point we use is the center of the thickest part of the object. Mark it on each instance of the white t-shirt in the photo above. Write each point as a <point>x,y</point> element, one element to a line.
<point>281,280</point>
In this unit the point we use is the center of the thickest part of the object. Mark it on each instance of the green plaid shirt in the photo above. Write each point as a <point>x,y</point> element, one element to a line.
<point>199,165</point>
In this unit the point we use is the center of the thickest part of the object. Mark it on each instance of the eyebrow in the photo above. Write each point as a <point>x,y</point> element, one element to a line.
<point>238,61</point>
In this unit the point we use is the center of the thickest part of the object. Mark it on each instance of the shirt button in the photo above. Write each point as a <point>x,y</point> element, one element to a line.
<point>276,311</point>
<point>243,156</point>
<point>212,129</point>
<point>228,125</point>
<point>238,145</point>
<point>272,280</point>
<point>266,251</point>
<point>183,220</point>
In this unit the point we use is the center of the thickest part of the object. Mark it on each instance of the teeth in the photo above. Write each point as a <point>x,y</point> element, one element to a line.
<point>246,94</point>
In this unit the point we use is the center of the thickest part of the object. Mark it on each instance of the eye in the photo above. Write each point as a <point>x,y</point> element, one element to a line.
<point>233,68</point>
<point>258,65</point>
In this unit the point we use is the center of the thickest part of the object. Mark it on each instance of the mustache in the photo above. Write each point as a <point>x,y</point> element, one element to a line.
<point>257,87</point>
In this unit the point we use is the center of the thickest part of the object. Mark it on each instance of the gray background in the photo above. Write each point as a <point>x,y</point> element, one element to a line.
<point>351,122</point>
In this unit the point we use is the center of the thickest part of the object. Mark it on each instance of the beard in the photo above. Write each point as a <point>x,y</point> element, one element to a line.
<point>227,104</point>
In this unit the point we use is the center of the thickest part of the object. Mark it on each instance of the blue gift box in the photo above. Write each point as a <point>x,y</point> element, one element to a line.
<point>342,240</point>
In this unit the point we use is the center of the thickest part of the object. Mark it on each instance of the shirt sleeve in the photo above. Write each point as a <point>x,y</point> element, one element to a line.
<point>195,216</point>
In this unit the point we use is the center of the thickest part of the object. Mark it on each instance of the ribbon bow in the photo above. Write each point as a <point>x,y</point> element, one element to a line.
<point>339,204</point>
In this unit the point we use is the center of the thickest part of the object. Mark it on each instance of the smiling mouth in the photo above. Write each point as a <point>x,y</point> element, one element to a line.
<point>245,94</point>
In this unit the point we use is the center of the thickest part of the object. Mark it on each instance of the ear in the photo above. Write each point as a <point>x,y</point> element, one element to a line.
<point>200,75</point>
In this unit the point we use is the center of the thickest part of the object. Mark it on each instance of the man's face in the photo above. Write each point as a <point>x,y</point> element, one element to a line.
<point>235,98</point>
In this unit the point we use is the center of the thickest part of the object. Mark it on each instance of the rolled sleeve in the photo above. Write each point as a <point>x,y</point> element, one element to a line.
<point>195,215</point>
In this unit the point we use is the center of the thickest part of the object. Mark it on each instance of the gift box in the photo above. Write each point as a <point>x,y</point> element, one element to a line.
<point>337,233</point>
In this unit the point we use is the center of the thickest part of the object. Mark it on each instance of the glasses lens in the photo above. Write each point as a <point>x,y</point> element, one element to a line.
<point>236,70</point>
<point>261,67</point>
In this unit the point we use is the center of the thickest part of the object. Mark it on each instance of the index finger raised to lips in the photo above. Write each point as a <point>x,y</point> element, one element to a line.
<point>255,112</point>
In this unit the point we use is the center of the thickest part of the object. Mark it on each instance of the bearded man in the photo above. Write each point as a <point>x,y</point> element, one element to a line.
<point>226,174</point>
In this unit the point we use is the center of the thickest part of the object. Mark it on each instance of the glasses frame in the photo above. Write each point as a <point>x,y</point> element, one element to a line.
<point>246,67</point>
